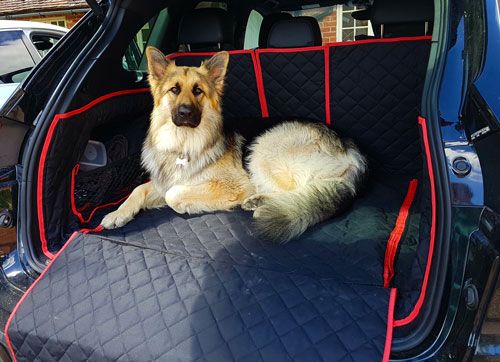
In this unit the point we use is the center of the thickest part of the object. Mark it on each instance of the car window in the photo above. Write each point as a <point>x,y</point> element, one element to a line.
<point>15,60</point>
<point>44,42</point>
<point>211,5</point>
<point>151,33</point>
<point>336,22</point>
<point>252,30</point>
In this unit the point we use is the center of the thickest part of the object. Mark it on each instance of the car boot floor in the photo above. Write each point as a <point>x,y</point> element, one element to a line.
<point>178,287</point>
<point>349,247</point>
<point>106,301</point>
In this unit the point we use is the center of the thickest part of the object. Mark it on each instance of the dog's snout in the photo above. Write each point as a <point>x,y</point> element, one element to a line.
<point>186,115</point>
<point>185,110</point>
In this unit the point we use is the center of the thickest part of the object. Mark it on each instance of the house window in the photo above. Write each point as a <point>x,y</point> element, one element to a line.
<point>348,27</point>
<point>53,21</point>
<point>59,23</point>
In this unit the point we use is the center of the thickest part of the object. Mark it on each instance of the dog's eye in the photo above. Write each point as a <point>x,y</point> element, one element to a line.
<point>197,91</point>
<point>176,90</point>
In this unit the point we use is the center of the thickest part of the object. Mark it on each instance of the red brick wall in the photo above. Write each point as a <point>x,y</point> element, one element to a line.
<point>71,19</point>
<point>329,28</point>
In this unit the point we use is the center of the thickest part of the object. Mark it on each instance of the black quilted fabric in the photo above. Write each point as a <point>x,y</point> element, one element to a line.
<point>172,287</point>
<point>349,247</point>
<point>376,90</point>
<point>412,274</point>
<point>241,99</point>
<point>108,301</point>
<point>294,84</point>
<point>67,146</point>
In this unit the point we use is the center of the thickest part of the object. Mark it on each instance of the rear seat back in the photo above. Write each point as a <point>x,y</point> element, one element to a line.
<point>241,97</point>
<point>266,25</point>
<point>206,30</point>
<point>375,95</point>
<point>293,79</point>
<point>367,90</point>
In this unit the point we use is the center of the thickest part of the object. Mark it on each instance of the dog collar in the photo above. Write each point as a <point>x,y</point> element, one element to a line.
<point>182,160</point>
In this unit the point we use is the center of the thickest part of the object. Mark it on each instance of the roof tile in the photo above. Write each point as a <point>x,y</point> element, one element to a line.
<point>11,7</point>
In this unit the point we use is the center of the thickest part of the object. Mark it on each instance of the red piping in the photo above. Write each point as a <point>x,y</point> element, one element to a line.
<point>25,295</point>
<point>45,150</point>
<point>74,172</point>
<point>397,233</point>
<point>97,208</point>
<point>390,326</point>
<point>326,52</point>
<point>418,305</point>
<point>94,230</point>
<point>260,86</point>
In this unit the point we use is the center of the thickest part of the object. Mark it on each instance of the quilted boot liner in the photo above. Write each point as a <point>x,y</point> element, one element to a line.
<point>104,300</point>
<point>175,287</point>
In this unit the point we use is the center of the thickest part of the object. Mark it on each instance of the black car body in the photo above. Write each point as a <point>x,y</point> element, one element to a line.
<point>426,111</point>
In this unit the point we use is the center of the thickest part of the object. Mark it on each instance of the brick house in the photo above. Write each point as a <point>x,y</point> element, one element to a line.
<point>58,12</point>
<point>336,22</point>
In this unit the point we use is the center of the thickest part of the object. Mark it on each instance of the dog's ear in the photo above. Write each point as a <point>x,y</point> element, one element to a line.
<point>157,63</point>
<point>217,67</point>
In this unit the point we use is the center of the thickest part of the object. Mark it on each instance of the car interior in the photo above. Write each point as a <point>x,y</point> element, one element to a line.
<point>343,290</point>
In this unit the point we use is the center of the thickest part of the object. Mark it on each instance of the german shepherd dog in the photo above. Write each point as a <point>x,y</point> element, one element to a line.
<point>299,173</point>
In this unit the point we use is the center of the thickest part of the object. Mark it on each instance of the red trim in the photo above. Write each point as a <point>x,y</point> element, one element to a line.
<point>45,150</point>
<point>94,230</point>
<point>397,233</point>
<point>74,209</point>
<point>418,305</point>
<point>103,206</point>
<point>326,52</point>
<point>25,295</point>
<point>390,326</point>
<point>260,86</point>
<point>74,172</point>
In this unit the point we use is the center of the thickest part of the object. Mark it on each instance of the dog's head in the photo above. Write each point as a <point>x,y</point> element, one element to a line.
<point>186,92</point>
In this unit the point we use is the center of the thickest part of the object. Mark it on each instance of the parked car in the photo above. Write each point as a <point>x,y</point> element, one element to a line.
<point>408,272</point>
<point>22,45</point>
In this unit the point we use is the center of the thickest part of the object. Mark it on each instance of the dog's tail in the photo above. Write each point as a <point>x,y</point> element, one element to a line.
<point>286,215</point>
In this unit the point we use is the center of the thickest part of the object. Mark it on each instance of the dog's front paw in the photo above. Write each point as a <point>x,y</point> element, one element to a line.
<point>253,202</point>
<point>116,219</point>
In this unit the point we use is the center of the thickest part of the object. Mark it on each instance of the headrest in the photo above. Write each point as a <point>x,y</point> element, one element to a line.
<point>401,11</point>
<point>266,25</point>
<point>206,27</point>
<point>301,31</point>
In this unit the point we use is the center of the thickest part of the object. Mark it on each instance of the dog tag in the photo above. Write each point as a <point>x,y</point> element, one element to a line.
<point>181,161</point>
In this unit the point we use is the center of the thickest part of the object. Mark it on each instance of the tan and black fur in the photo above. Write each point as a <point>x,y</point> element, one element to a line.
<point>303,174</point>
<point>194,167</point>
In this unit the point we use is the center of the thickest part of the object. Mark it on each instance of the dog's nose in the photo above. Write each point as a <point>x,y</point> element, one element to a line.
<point>185,110</point>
